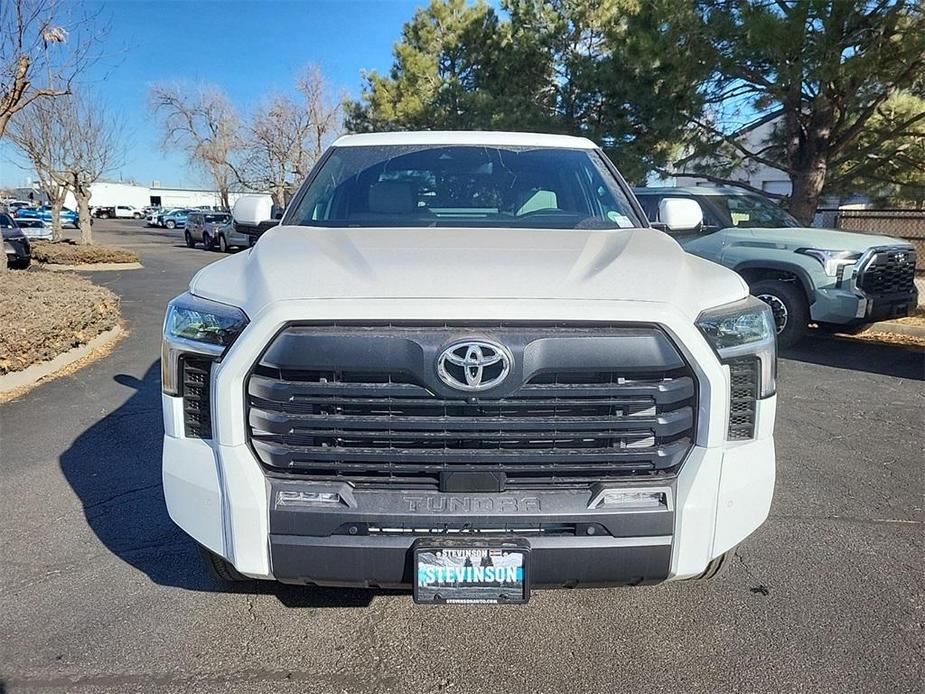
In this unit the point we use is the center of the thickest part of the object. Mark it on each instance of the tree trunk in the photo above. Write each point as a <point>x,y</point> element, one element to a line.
<point>807,186</point>
<point>279,196</point>
<point>56,205</point>
<point>223,192</point>
<point>83,212</point>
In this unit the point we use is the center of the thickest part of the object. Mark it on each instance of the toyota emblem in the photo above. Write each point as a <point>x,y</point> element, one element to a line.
<point>474,365</point>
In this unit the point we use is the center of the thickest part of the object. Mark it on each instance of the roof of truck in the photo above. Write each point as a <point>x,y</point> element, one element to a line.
<point>487,138</point>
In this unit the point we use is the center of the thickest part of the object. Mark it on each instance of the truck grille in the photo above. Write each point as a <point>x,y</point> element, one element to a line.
<point>890,271</point>
<point>380,415</point>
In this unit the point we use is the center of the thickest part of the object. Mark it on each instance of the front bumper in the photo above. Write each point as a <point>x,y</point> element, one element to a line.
<point>846,307</point>
<point>221,497</point>
<point>366,538</point>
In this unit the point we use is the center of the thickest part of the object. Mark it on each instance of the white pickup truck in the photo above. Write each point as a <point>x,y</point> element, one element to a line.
<point>464,364</point>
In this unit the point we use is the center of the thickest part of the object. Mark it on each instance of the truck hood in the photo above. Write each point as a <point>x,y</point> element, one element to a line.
<point>296,263</point>
<point>809,237</point>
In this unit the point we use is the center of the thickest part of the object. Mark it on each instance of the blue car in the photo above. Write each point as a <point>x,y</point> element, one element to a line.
<point>175,219</point>
<point>68,216</point>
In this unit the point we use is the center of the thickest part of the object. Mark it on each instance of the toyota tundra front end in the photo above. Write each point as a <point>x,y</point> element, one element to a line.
<point>465,365</point>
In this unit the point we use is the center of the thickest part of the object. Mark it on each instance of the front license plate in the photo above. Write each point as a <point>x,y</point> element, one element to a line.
<point>467,571</point>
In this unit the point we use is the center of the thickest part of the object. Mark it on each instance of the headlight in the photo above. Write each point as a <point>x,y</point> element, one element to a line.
<point>831,261</point>
<point>198,326</point>
<point>744,329</point>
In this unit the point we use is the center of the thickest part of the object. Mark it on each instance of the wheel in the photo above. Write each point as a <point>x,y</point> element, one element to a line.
<point>190,243</point>
<point>207,242</point>
<point>219,568</point>
<point>136,216</point>
<point>170,224</point>
<point>19,264</point>
<point>222,243</point>
<point>789,306</point>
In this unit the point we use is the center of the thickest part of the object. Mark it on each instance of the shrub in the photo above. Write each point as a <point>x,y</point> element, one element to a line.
<point>71,253</point>
<point>43,314</point>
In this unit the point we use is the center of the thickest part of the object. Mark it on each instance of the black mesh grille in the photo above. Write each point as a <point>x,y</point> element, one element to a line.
<point>197,396</point>
<point>889,272</point>
<point>743,395</point>
<point>387,424</point>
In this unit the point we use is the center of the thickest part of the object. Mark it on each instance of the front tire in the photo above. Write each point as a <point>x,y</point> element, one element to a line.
<point>190,243</point>
<point>222,243</point>
<point>790,308</point>
<point>136,216</point>
<point>220,569</point>
<point>170,224</point>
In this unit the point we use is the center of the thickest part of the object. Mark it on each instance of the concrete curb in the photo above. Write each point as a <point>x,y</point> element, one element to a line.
<point>92,267</point>
<point>17,382</point>
<point>892,327</point>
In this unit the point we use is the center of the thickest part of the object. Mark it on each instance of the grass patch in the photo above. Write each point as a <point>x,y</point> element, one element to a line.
<point>72,253</point>
<point>43,314</point>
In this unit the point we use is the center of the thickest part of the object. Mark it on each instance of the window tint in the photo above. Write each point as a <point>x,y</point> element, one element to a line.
<point>650,206</point>
<point>753,211</point>
<point>464,186</point>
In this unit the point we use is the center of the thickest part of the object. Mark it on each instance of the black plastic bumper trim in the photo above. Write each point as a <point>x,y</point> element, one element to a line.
<point>385,562</point>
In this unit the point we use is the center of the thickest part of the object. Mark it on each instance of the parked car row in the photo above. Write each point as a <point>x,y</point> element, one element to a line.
<point>43,212</point>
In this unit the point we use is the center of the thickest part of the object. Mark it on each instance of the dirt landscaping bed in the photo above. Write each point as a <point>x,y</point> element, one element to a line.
<point>72,253</point>
<point>44,314</point>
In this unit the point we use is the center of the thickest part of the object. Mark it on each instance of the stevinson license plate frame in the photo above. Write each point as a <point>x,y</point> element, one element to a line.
<point>471,571</point>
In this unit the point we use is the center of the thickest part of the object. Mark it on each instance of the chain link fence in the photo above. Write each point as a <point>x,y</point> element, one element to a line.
<point>904,224</point>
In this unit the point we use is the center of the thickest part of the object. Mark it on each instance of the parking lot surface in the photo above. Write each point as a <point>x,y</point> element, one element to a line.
<point>99,591</point>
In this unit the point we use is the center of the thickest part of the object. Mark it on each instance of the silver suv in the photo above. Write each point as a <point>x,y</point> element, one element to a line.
<point>207,228</point>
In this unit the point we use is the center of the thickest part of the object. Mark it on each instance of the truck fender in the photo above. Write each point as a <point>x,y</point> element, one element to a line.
<point>806,282</point>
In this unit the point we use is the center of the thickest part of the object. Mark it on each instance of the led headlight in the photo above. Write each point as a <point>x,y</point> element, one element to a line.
<point>196,326</point>
<point>831,261</point>
<point>744,329</point>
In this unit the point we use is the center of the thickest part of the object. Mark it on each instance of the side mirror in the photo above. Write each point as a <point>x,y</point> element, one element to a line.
<point>251,210</point>
<point>680,214</point>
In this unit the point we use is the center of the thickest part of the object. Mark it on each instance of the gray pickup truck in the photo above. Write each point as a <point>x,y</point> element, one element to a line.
<point>836,279</point>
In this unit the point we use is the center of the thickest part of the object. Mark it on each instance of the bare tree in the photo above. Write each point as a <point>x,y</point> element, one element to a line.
<point>325,113</point>
<point>201,122</point>
<point>44,46</point>
<point>286,136</point>
<point>93,147</point>
<point>42,136</point>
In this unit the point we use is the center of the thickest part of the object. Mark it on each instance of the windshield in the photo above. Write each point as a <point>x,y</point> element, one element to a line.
<point>216,217</point>
<point>753,211</point>
<point>471,186</point>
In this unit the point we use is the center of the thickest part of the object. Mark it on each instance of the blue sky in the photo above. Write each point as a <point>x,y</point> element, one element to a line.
<point>247,48</point>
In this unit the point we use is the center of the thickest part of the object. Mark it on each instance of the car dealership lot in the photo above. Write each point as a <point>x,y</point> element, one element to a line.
<point>99,591</point>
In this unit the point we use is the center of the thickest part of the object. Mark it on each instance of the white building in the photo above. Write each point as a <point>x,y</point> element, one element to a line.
<point>760,176</point>
<point>109,194</point>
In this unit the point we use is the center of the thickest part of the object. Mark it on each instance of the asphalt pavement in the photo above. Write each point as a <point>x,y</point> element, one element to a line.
<point>99,591</point>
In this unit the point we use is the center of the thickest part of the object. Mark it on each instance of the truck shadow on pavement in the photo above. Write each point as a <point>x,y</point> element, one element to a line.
<point>114,467</point>
<point>887,359</point>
